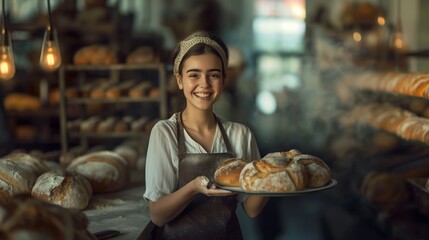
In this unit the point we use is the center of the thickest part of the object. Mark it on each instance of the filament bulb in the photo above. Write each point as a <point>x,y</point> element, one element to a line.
<point>7,63</point>
<point>50,57</point>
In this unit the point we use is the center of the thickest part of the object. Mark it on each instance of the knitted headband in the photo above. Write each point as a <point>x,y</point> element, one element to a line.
<point>188,44</point>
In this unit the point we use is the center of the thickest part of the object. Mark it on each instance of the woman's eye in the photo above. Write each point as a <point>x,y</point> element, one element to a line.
<point>214,76</point>
<point>193,75</point>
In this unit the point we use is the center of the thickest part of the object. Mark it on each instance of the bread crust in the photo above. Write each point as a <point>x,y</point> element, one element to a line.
<point>228,172</point>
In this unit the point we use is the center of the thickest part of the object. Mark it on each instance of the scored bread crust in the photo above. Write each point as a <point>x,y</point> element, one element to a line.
<point>106,171</point>
<point>64,188</point>
<point>273,174</point>
<point>228,172</point>
<point>319,173</point>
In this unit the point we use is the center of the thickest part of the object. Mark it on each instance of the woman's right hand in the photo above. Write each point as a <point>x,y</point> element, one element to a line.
<point>201,185</point>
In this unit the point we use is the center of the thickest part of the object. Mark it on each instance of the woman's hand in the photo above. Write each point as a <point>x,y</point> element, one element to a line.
<point>203,185</point>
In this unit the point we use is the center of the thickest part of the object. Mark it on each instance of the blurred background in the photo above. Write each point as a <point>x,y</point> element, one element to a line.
<point>305,74</point>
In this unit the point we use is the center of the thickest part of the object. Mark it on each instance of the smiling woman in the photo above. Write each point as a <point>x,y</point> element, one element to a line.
<point>186,149</point>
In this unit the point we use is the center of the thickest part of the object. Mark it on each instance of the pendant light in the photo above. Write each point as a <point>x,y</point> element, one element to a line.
<point>50,57</point>
<point>7,62</point>
<point>357,36</point>
<point>398,41</point>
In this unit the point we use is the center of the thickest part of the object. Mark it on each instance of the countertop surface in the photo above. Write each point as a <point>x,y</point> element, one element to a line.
<point>125,211</point>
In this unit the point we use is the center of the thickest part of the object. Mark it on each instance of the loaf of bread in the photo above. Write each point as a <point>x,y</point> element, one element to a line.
<point>90,124</point>
<point>385,187</point>
<point>142,55</point>
<point>288,154</point>
<point>14,179</point>
<point>124,124</point>
<point>95,54</point>
<point>26,217</point>
<point>119,90</point>
<point>140,90</point>
<point>106,171</point>
<point>106,125</point>
<point>129,153</point>
<point>228,172</point>
<point>66,189</point>
<point>29,162</point>
<point>319,173</point>
<point>273,174</point>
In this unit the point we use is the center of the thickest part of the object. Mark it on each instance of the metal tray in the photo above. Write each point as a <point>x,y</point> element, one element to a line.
<point>329,185</point>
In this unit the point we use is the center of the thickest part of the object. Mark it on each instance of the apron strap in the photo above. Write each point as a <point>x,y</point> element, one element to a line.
<point>181,136</point>
<point>224,136</point>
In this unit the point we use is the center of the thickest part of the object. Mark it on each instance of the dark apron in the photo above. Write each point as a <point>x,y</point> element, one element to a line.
<point>205,217</point>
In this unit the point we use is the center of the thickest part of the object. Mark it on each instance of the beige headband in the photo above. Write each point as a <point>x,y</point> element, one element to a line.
<point>188,44</point>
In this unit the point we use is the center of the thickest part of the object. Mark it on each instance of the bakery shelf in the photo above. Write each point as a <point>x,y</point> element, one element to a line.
<point>107,135</point>
<point>118,100</point>
<point>76,75</point>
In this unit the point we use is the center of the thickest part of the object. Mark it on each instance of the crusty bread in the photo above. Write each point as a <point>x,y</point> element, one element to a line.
<point>289,154</point>
<point>319,173</point>
<point>228,172</point>
<point>26,217</point>
<point>28,161</point>
<point>67,189</point>
<point>14,179</point>
<point>273,174</point>
<point>106,171</point>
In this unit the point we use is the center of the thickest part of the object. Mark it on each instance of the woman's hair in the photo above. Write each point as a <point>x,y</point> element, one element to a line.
<point>199,43</point>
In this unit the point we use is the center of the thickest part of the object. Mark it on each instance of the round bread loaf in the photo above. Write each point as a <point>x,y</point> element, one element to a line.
<point>26,217</point>
<point>319,173</point>
<point>106,171</point>
<point>29,162</point>
<point>14,180</point>
<point>273,174</point>
<point>289,154</point>
<point>66,189</point>
<point>228,172</point>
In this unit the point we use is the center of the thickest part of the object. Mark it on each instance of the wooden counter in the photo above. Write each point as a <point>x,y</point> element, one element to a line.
<point>125,211</point>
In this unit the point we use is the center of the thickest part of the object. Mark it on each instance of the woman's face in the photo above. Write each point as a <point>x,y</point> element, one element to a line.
<point>201,80</point>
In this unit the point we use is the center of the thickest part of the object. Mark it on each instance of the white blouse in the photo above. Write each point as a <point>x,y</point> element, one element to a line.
<point>162,161</point>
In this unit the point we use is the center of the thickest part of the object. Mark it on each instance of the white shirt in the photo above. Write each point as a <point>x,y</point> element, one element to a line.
<point>162,161</point>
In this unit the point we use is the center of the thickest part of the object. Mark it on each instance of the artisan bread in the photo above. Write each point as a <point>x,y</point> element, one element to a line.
<point>67,189</point>
<point>106,170</point>
<point>319,173</point>
<point>26,217</point>
<point>289,154</point>
<point>29,162</point>
<point>228,172</point>
<point>14,179</point>
<point>273,174</point>
<point>385,187</point>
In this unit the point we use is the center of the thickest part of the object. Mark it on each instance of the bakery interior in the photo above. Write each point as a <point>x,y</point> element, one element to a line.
<point>344,80</point>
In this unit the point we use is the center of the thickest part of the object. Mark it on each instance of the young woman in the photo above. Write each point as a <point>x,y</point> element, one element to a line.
<point>184,151</point>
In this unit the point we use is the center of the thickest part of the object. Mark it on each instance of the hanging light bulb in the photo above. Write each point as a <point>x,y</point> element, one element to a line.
<point>398,39</point>
<point>357,35</point>
<point>7,62</point>
<point>50,57</point>
<point>381,20</point>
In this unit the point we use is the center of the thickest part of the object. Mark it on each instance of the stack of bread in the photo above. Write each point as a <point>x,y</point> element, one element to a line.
<point>288,171</point>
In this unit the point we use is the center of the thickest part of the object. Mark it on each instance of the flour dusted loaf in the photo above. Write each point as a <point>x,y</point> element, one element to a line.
<point>319,173</point>
<point>14,180</point>
<point>228,172</point>
<point>64,188</point>
<point>26,217</point>
<point>285,171</point>
<point>106,171</point>
<point>273,174</point>
<point>28,161</point>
